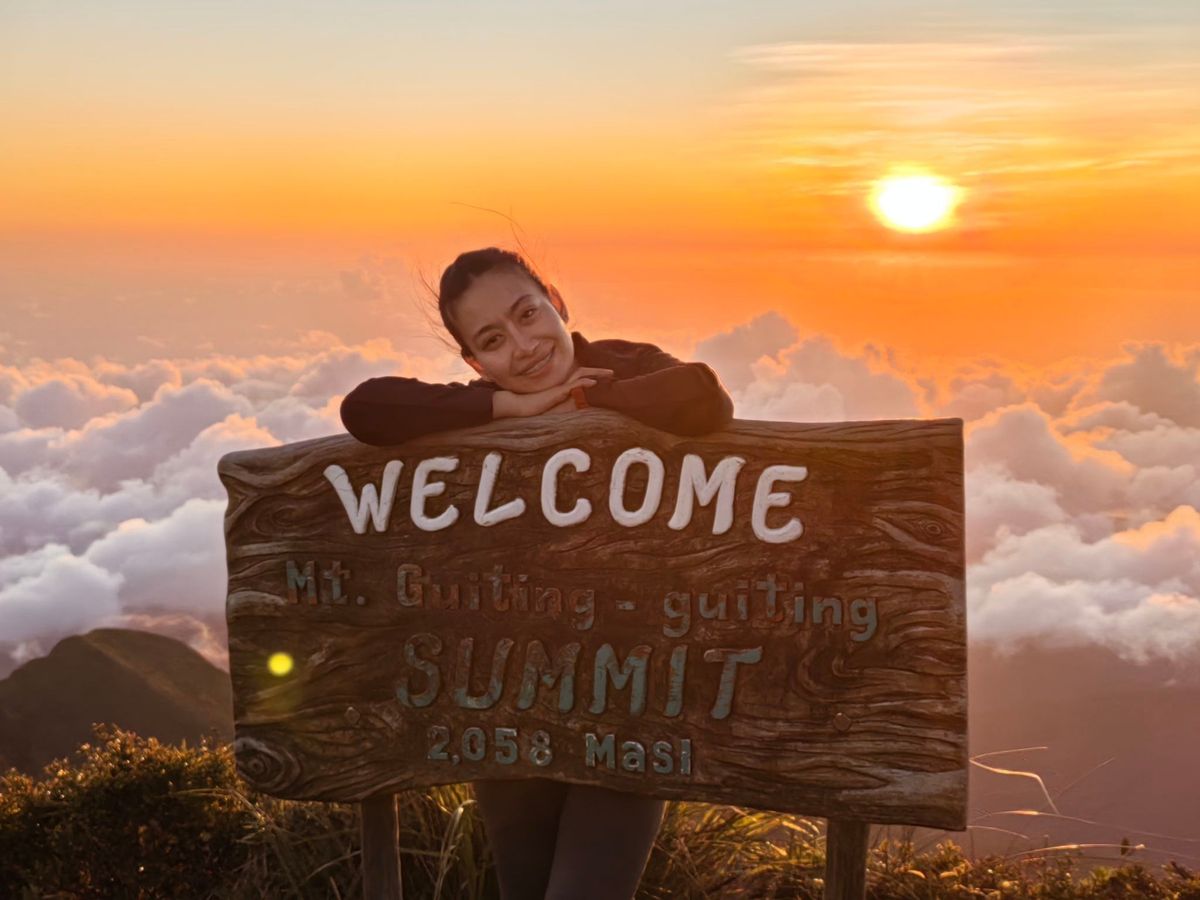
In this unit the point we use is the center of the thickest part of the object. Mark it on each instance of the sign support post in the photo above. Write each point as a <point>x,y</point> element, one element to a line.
<point>846,859</point>
<point>380,848</point>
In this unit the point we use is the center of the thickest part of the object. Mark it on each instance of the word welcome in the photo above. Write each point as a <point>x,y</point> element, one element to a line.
<point>696,486</point>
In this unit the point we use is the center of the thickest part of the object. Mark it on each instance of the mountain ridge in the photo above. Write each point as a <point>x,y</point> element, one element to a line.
<point>142,681</point>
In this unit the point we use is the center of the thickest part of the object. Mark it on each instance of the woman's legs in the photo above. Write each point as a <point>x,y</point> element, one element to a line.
<point>604,841</point>
<point>521,819</point>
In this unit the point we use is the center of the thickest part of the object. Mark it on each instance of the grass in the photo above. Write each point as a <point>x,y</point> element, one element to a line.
<point>130,817</point>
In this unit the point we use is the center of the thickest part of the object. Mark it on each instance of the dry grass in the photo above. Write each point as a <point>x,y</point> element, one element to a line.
<point>130,817</point>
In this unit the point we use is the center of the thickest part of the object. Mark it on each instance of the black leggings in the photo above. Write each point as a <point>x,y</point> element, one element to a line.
<point>553,840</point>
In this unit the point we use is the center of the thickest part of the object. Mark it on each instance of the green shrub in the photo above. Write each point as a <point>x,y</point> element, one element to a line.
<point>120,821</point>
<point>133,818</point>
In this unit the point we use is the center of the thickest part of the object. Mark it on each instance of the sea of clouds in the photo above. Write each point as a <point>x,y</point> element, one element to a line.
<point>1082,492</point>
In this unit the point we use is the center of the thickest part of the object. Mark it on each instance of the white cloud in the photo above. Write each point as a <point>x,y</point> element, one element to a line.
<point>813,381</point>
<point>1136,591</point>
<point>144,379</point>
<point>62,595</point>
<point>973,394</point>
<point>733,353</point>
<point>176,563</point>
<point>112,513</point>
<point>338,370</point>
<point>106,451</point>
<point>998,504</point>
<point>1154,381</point>
<point>1081,482</point>
<point>70,401</point>
<point>192,472</point>
<point>1023,439</point>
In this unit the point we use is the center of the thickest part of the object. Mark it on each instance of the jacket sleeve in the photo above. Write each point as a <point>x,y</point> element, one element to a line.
<point>394,408</point>
<point>664,392</point>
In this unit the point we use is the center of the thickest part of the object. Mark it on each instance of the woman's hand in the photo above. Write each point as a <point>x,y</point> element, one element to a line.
<point>506,404</point>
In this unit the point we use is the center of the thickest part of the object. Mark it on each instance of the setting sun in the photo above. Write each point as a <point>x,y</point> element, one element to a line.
<point>915,202</point>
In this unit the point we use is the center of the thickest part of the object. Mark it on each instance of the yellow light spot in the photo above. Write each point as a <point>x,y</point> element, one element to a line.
<point>915,201</point>
<point>280,663</point>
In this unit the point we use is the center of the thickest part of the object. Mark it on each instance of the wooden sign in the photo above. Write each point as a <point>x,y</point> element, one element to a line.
<point>771,615</point>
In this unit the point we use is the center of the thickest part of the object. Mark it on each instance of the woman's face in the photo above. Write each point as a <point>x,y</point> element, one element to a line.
<point>514,334</point>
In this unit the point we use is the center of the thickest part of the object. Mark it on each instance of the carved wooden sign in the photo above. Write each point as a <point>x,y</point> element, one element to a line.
<point>771,615</point>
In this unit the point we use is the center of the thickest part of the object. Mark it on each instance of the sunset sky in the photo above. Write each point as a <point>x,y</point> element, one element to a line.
<point>179,176</point>
<point>215,219</point>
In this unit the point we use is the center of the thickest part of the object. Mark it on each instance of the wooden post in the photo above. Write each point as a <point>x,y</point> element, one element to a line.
<point>846,859</point>
<point>380,848</point>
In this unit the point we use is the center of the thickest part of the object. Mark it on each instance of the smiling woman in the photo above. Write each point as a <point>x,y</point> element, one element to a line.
<point>510,326</point>
<point>516,331</point>
<point>549,838</point>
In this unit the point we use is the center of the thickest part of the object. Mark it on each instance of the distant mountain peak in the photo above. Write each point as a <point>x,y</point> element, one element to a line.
<point>149,683</point>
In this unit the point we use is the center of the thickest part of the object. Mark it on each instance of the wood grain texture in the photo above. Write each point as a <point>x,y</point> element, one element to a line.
<point>863,718</point>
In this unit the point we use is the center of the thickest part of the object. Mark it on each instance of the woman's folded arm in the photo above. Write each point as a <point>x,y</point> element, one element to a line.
<point>667,393</point>
<point>394,408</point>
<point>651,386</point>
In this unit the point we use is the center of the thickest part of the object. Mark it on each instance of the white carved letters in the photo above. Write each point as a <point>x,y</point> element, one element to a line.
<point>693,486</point>
<point>765,498</point>
<point>696,487</point>
<point>422,490</point>
<point>487,484</point>
<point>654,486</point>
<point>375,505</point>
<point>583,507</point>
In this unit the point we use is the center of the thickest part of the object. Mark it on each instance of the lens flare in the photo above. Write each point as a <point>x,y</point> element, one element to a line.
<point>280,663</point>
<point>915,202</point>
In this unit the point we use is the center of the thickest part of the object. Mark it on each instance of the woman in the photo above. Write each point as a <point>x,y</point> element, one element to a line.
<point>549,839</point>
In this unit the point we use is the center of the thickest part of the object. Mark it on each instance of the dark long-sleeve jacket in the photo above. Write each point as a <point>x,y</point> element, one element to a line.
<point>649,385</point>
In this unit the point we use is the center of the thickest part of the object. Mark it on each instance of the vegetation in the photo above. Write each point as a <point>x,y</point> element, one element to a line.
<point>131,817</point>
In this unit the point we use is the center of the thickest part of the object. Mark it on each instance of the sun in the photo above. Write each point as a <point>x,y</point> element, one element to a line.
<point>915,202</point>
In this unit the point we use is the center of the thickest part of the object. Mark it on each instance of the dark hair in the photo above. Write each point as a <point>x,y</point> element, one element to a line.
<point>470,265</point>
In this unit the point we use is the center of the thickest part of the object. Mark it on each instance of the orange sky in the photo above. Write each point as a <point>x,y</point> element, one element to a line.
<point>174,183</point>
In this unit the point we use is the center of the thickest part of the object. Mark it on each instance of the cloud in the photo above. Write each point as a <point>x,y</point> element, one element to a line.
<point>1082,484</point>
<point>107,451</point>
<point>176,563</point>
<point>291,419</point>
<point>992,108</point>
<point>1136,591</point>
<point>1113,416</point>
<point>191,473</point>
<point>12,381</point>
<point>144,379</point>
<point>54,592</point>
<point>813,381</point>
<point>339,369</point>
<point>998,504</point>
<point>69,401</point>
<point>733,353</point>
<point>48,508</point>
<point>110,506</point>
<point>971,395</point>
<point>1023,440</point>
<point>1154,382</point>
<point>1081,479</point>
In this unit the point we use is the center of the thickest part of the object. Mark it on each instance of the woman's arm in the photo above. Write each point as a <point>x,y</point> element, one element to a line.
<point>662,391</point>
<point>394,408</point>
